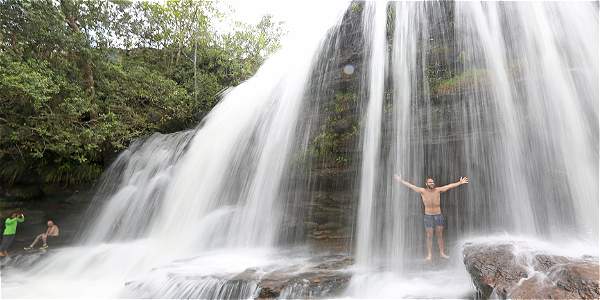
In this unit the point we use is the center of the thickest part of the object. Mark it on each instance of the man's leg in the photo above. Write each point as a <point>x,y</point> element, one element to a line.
<point>429,232</point>
<point>2,245</point>
<point>37,239</point>
<point>6,242</point>
<point>44,239</point>
<point>439,233</point>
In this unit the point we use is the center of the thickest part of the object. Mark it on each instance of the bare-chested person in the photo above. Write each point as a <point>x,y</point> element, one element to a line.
<point>52,231</point>
<point>433,212</point>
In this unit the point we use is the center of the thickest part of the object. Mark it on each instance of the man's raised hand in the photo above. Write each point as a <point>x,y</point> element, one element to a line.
<point>464,180</point>
<point>397,177</point>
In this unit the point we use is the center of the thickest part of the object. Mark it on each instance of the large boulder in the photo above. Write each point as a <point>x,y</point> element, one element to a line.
<point>512,270</point>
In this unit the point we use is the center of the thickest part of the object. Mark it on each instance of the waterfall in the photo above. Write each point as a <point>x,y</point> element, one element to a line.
<point>137,179</point>
<point>526,111</point>
<point>541,62</point>
<point>299,160</point>
<point>226,185</point>
<point>505,93</point>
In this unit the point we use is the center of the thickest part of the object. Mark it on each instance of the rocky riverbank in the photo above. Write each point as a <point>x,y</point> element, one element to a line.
<point>66,206</point>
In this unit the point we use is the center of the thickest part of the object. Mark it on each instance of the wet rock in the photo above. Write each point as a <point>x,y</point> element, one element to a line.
<point>580,277</point>
<point>493,268</point>
<point>545,262</point>
<point>318,277</point>
<point>323,277</point>
<point>342,126</point>
<point>507,272</point>
<point>267,292</point>
<point>539,287</point>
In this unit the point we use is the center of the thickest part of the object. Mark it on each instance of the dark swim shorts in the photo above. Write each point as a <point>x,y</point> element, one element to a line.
<point>430,220</point>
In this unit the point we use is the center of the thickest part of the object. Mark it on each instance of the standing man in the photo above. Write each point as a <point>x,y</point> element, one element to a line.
<point>433,212</point>
<point>10,229</point>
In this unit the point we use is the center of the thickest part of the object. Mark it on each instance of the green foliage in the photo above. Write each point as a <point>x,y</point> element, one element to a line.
<point>79,79</point>
<point>356,7</point>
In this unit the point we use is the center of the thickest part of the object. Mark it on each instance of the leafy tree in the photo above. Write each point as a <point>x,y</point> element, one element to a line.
<point>79,79</point>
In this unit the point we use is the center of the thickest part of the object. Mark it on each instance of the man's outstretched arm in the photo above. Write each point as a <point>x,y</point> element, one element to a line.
<point>408,184</point>
<point>447,187</point>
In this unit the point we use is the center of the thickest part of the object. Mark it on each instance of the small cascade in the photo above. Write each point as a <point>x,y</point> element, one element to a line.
<point>136,179</point>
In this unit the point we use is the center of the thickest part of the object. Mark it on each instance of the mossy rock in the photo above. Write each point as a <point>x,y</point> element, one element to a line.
<point>460,82</point>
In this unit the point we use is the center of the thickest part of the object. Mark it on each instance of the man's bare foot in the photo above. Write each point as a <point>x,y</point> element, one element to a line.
<point>443,255</point>
<point>428,258</point>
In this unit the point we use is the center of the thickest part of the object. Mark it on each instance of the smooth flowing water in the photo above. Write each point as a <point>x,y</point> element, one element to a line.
<point>375,21</point>
<point>505,93</point>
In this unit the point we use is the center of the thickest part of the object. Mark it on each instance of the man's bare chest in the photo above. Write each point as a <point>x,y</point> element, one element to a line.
<point>430,198</point>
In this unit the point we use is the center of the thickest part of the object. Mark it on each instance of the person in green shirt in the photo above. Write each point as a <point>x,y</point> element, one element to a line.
<point>10,228</point>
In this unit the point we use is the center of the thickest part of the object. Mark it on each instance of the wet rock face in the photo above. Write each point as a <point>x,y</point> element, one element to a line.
<point>325,279</point>
<point>330,165</point>
<point>509,272</point>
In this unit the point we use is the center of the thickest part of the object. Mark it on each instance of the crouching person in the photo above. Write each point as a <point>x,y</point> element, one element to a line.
<point>51,232</point>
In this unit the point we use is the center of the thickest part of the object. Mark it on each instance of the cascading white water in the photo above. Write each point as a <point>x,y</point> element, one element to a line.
<point>143,171</point>
<point>541,63</point>
<point>516,110</point>
<point>223,191</point>
<point>252,151</point>
<point>507,155</point>
<point>374,28</point>
<point>518,114</point>
<point>404,66</point>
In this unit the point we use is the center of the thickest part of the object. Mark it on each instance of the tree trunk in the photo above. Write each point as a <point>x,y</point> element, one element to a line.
<point>195,73</point>
<point>85,64</point>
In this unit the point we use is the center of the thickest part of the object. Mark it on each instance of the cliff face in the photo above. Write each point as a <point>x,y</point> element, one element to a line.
<point>325,171</point>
